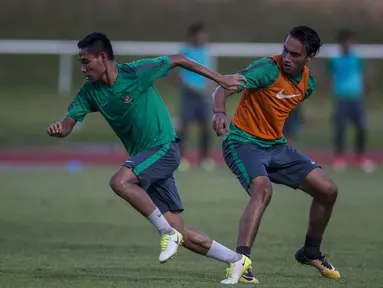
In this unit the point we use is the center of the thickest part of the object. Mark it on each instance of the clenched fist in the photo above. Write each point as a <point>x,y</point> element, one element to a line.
<point>220,124</point>
<point>56,129</point>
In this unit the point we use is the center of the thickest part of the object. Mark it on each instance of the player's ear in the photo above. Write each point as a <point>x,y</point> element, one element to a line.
<point>104,56</point>
<point>311,57</point>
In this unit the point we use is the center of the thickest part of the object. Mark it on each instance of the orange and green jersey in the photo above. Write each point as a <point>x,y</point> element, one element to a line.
<point>266,102</point>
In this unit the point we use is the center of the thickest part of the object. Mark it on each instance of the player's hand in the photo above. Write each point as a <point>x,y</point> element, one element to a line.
<point>56,129</point>
<point>232,82</point>
<point>220,124</point>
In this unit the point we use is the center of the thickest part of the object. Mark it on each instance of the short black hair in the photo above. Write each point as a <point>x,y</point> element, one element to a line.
<point>196,28</point>
<point>308,37</point>
<point>345,35</point>
<point>96,43</point>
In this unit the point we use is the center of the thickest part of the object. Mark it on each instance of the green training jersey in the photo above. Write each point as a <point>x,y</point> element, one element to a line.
<point>132,106</point>
<point>263,73</point>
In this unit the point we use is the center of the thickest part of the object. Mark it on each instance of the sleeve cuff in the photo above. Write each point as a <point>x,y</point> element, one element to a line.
<point>74,117</point>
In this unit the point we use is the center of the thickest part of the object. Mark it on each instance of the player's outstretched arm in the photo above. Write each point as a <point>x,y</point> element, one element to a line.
<point>228,82</point>
<point>61,128</point>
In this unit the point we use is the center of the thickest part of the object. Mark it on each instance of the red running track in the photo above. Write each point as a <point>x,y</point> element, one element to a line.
<point>102,155</point>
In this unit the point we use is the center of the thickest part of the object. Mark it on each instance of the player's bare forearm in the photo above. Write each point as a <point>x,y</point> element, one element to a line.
<point>189,64</point>
<point>68,125</point>
<point>219,99</point>
<point>228,82</point>
<point>220,120</point>
<point>62,128</point>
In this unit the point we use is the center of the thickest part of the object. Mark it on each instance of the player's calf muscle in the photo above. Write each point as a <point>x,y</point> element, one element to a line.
<point>196,237</point>
<point>260,192</point>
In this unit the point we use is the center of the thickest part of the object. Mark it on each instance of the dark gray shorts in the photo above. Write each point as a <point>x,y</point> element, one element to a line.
<point>350,111</point>
<point>195,106</point>
<point>283,164</point>
<point>154,167</point>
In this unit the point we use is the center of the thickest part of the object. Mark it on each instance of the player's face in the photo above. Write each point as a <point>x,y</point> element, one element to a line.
<point>200,38</point>
<point>294,56</point>
<point>92,66</point>
<point>346,45</point>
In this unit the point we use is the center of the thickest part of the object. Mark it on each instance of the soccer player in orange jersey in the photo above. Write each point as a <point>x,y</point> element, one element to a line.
<point>256,151</point>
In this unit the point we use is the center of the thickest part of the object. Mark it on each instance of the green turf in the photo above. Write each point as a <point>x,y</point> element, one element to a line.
<point>69,230</point>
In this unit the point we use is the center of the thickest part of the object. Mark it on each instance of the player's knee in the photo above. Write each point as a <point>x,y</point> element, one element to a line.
<point>116,184</point>
<point>330,192</point>
<point>119,183</point>
<point>260,189</point>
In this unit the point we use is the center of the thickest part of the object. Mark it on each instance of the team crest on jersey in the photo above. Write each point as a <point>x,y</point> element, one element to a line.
<point>127,98</point>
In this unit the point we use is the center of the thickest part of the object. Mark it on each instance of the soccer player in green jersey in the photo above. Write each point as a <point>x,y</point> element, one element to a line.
<point>125,96</point>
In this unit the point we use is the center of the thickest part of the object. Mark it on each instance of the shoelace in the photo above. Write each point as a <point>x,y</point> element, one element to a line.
<point>324,262</point>
<point>164,242</point>
<point>228,271</point>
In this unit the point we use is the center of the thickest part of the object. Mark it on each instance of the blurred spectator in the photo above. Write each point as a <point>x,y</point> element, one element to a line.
<point>195,99</point>
<point>348,85</point>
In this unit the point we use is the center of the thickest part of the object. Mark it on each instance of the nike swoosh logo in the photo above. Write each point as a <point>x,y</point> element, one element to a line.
<point>178,240</point>
<point>103,104</point>
<point>280,95</point>
<point>244,262</point>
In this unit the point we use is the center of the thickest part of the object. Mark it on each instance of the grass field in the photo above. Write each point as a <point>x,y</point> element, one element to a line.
<point>59,229</point>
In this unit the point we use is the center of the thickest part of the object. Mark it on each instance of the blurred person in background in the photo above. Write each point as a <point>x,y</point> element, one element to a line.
<point>293,123</point>
<point>348,86</point>
<point>195,100</point>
